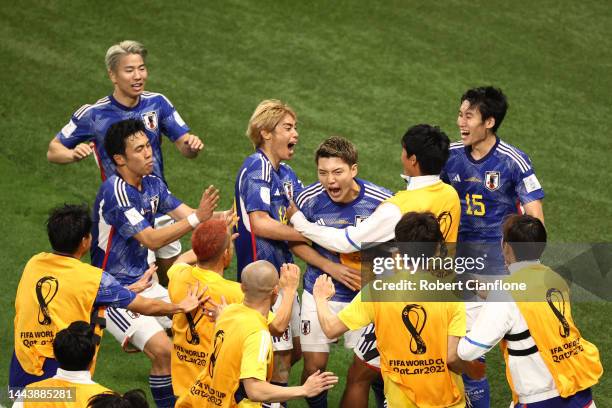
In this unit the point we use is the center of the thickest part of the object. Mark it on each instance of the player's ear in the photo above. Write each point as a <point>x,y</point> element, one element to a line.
<point>490,122</point>
<point>119,159</point>
<point>354,170</point>
<point>265,135</point>
<point>111,76</point>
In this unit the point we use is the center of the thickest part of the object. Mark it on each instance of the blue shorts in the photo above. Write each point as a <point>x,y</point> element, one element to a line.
<point>18,378</point>
<point>582,399</point>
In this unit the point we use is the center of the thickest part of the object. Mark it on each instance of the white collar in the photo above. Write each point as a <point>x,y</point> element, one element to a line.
<point>517,266</point>
<point>414,183</point>
<point>78,377</point>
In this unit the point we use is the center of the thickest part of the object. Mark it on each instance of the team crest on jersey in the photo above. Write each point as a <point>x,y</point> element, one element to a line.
<point>491,181</point>
<point>154,204</point>
<point>150,120</point>
<point>305,327</point>
<point>288,186</point>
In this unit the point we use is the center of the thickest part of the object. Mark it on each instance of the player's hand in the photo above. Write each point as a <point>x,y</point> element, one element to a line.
<point>323,288</point>
<point>289,277</point>
<point>82,151</point>
<point>128,347</point>
<point>291,210</point>
<point>213,310</point>
<point>195,298</point>
<point>193,143</point>
<point>145,281</point>
<point>349,277</point>
<point>319,382</point>
<point>208,203</point>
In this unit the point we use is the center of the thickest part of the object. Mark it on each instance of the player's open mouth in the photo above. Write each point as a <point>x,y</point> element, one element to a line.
<point>465,133</point>
<point>137,87</point>
<point>291,145</point>
<point>334,192</point>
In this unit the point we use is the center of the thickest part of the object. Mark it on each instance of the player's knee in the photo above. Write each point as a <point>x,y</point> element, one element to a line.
<point>159,349</point>
<point>314,362</point>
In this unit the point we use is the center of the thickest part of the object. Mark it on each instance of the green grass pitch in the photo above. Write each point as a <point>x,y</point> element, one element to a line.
<point>365,70</point>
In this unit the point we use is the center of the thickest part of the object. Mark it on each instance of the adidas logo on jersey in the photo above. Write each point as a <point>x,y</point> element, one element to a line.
<point>320,221</point>
<point>457,179</point>
<point>277,193</point>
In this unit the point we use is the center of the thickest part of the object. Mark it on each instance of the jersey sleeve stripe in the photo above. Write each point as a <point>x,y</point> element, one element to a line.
<point>148,95</point>
<point>456,147</point>
<point>514,156</point>
<point>376,194</point>
<point>375,197</point>
<point>308,194</point>
<point>516,153</point>
<point>120,193</point>
<point>83,110</point>
<point>350,240</point>
<point>263,346</point>
<point>377,190</point>
<point>477,343</point>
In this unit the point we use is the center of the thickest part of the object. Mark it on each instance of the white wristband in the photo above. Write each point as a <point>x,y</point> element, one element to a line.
<point>193,220</point>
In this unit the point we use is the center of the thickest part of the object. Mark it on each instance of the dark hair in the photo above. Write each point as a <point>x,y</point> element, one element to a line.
<point>526,236</point>
<point>131,399</point>
<point>490,102</point>
<point>114,141</point>
<point>67,225</point>
<point>423,230</point>
<point>430,146</point>
<point>74,347</point>
<point>339,147</point>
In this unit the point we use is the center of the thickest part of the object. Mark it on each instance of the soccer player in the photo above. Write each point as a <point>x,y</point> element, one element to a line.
<point>423,334</point>
<point>549,363</point>
<point>84,134</point>
<point>424,153</point>
<point>74,348</point>
<point>56,289</point>
<point>338,199</point>
<point>124,212</point>
<point>239,369</point>
<point>212,251</point>
<point>492,179</point>
<point>264,186</point>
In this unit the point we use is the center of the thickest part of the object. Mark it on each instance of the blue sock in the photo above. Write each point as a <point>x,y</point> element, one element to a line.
<point>318,401</point>
<point>477,392</point>
<point>275,404</point>
<point>161,389</point>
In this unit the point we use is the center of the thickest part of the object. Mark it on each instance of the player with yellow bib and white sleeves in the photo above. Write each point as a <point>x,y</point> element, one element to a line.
<point>549,363</point>
<point>425,150</point>
<point>417,341</point>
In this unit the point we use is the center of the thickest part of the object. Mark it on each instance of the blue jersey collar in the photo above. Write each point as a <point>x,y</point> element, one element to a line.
<point>468,152</point>
<point>123,107</point>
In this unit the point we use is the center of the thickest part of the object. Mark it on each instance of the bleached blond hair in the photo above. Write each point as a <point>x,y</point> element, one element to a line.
<point>265,118</point>
<point>115,52</point>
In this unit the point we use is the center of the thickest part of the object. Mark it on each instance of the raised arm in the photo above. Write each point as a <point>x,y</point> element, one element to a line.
<point>60,154</point>
<point>266,227</point>
<point>189,145</point>
<point>378,227</point>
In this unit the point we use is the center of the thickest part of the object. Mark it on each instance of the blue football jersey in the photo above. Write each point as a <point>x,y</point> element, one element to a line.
<point>260,187</point>
<point>490,189</point>
<point>90,123</point>
<point>319,208</point>
<point>121,211</point>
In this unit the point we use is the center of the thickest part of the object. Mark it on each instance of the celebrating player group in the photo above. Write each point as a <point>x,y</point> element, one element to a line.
<point>215,342</point>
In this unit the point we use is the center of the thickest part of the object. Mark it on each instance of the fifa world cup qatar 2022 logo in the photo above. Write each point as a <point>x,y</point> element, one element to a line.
<point>218,342</point>
<point>46,289</point>
<point>192,335</point>
<point>556,301</point>
<point>414,318</point>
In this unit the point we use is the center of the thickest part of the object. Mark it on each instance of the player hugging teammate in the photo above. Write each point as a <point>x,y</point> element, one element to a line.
<point>235,342</point>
